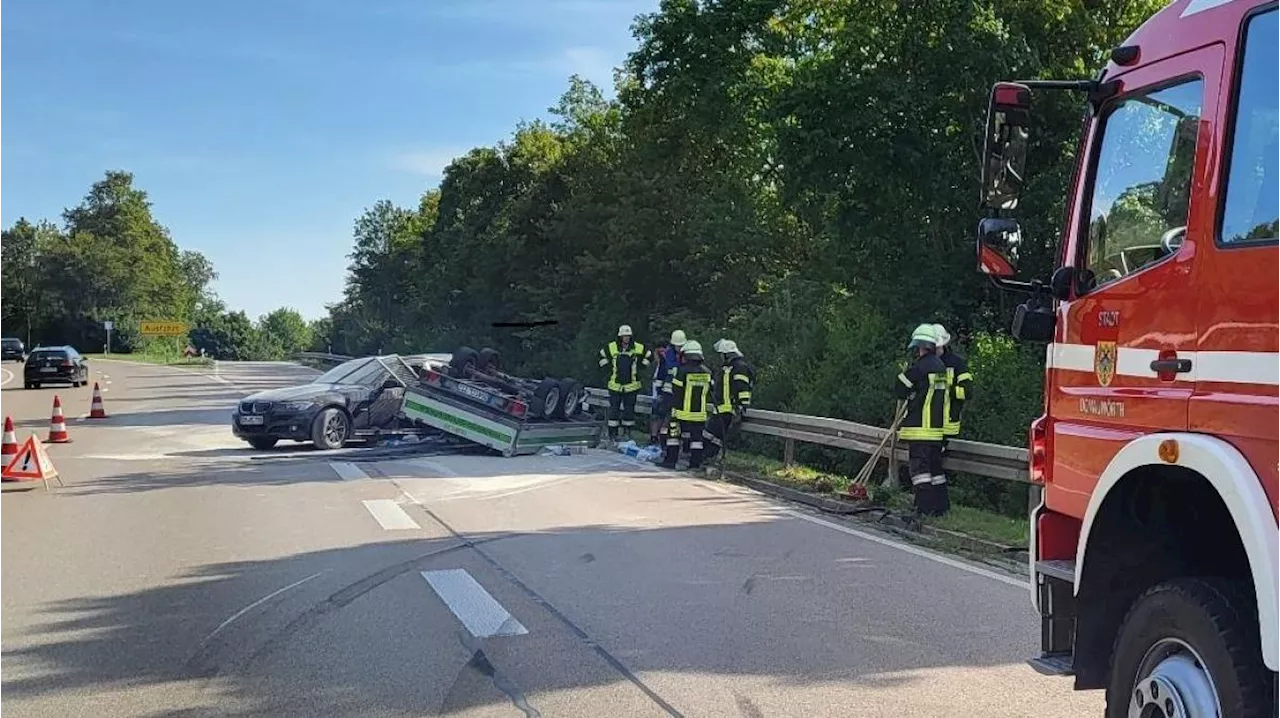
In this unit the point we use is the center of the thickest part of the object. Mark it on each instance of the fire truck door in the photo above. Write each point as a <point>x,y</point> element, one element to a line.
<point>1118,366</point>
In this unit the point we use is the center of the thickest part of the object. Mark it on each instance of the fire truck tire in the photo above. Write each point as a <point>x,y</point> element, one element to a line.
<point>546,399</point>
<point>488,360</point>
<point>464,357</point>
<point>571,391</point>
<point>1190,644</point>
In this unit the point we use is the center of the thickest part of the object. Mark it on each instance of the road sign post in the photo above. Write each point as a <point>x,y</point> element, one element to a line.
<point>108,325</point>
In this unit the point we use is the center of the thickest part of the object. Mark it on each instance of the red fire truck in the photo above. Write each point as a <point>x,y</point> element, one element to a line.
<point>1154,532</point>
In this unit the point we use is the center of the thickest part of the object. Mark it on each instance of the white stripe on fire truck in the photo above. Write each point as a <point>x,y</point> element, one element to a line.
<point>1219,366</point>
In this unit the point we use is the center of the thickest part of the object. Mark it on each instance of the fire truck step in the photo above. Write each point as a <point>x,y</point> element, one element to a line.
<point>1053,664</point>
<point>1060,569</point>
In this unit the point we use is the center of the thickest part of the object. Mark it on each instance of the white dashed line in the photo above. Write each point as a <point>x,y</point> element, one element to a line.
<point>347,471</point>
<point>389,515</point>
<point>478,611</point>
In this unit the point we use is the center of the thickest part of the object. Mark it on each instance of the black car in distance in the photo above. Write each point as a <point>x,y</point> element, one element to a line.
<point>55,365</point>
<point>12,348</point>
<point>356,397</point>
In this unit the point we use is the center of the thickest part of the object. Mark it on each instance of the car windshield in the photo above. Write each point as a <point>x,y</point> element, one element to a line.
<point>336,374</point>
<point>10,343</point>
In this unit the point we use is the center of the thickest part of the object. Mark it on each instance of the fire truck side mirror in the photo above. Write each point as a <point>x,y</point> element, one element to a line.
<point>999,245</point>
<point>1005,145</point>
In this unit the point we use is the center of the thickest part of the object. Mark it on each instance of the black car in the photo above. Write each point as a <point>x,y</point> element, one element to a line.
<point>356,397</point>
<point>12,348</point>
<point>55,365</point>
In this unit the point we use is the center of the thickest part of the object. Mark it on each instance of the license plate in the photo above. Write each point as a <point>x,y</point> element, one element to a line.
<point>251,420</point>
<point>473,392</point>
<point>48,369</point>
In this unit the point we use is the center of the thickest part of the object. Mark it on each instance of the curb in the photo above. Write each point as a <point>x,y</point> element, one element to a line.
<point>1014,558</point>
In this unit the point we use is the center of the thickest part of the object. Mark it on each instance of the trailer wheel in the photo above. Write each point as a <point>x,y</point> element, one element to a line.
<point>488,361</point>
<point>546,399</point>
<point>1189,647</point>
<point>464,358</point>
<point>572,403</point>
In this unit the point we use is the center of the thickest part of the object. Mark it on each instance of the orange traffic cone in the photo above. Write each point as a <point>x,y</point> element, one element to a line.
<point>58,425</point>
<point>9,446</point>
<point>96,409</point>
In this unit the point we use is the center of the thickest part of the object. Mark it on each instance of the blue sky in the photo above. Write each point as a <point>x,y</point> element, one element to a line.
<point>261,129</point>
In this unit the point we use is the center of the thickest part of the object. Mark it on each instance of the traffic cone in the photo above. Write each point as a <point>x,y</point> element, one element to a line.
<point>9,446</point>
<point>96,409</point>
<point>58,425</point>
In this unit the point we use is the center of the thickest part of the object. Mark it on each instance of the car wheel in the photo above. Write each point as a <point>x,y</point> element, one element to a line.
<point>546,399</point>
<point>30,385</point>
<point>262,443</point>
<point>463,359</point>
<point>1190,647</point>
<point>330,429</point>
<point>489,361</point>
<point>571,404</point>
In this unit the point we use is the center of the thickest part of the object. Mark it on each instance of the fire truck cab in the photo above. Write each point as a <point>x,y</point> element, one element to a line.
<point>1153,529</point>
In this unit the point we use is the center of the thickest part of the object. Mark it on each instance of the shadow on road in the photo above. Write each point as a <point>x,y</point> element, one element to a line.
<point>860,638</point>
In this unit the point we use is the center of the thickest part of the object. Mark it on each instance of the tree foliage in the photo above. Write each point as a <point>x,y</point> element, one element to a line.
<point>800,175</point>
<point>111,260</point>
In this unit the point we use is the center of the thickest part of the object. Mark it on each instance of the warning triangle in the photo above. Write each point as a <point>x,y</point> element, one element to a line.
<point>31,463</point>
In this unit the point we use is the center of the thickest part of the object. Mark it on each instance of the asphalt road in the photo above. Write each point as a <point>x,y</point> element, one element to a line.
<point>178,573</point>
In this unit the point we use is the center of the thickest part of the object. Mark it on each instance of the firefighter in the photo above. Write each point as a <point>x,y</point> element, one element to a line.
<point>923,384</point>
<point>624,358</point>
<point>688,395</point>
<point>737,379</point>
<point>959,391</point>
<point>666,363</point>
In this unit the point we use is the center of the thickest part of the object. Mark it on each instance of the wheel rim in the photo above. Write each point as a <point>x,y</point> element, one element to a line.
<point>1173,683</point>
<point>550,402</point>
<point>335,428</point>
<point>571,403</point>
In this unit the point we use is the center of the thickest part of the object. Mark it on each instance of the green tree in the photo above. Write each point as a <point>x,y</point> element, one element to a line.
<point>284,332</point>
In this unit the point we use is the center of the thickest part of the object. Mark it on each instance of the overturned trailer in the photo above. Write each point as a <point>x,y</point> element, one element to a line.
<point>471,397</point>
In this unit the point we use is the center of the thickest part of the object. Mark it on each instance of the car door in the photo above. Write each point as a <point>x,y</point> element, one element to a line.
<point>1134,246</point>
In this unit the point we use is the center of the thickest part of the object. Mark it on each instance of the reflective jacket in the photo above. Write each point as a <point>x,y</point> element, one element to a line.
<point>690,391</point>
<point>924,386</point>
<point>624,365</point>
<point>737,379</point>
<point>959,390</point>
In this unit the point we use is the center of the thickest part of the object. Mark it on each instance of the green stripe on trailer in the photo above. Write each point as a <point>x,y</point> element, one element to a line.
<point>440,412</point>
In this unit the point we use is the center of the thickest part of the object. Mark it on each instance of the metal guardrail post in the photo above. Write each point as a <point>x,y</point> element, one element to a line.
<point>789,452</point>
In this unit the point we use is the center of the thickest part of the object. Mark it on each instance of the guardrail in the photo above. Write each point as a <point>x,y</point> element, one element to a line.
<point>994,461</point>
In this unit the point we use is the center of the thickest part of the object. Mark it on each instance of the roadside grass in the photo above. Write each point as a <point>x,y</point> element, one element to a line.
<point>979,523</point>
<point>157,359</point>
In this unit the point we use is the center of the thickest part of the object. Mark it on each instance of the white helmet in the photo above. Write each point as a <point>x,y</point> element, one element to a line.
<point>678,338</point>
<point>727,346</point>
<point>624,330</point>
<point>693,349</point>
<point>941,333</point>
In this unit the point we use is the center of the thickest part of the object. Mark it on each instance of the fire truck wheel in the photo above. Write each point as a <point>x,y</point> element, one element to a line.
<point>546,399</point>
<point>488,360</point>
<point>571,389</point>
<point>464,357</point>
<point>330,429</point>
<point>1189,648</point>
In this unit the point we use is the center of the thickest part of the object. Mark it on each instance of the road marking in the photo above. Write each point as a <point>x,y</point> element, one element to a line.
<point>347,471</point>
<point>478,611</point>
<point>257,603</point>
<point>913,550</point>
<point>8,376</point>
<point>389,514</point>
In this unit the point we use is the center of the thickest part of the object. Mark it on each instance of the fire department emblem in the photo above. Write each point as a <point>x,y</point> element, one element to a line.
<point>1104,362</point>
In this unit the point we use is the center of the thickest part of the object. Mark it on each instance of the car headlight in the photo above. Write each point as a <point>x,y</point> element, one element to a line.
<point>295,405</point>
